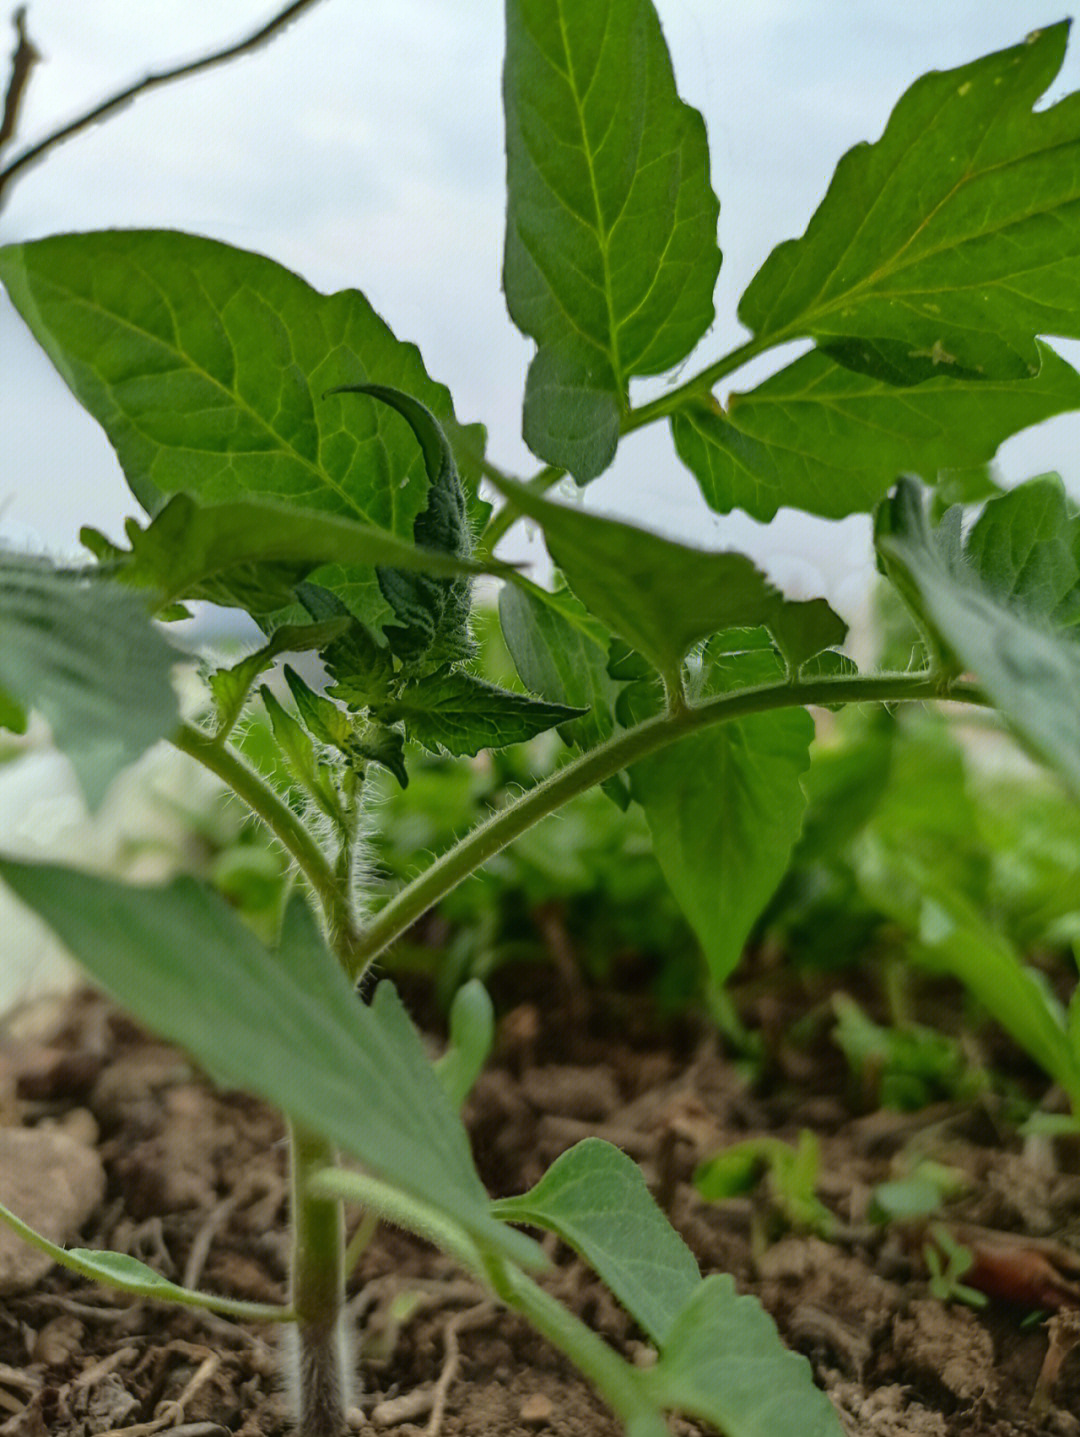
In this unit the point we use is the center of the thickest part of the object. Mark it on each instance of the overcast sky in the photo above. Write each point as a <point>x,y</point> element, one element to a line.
<point>364,148</point>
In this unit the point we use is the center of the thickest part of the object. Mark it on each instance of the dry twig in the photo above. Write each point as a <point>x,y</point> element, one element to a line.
<point>33,154</point>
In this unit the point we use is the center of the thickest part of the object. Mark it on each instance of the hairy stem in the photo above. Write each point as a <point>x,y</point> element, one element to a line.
<point>317,1290</point>
<point>491,836</point>
<point>289,831</point>
<point>507,516</point>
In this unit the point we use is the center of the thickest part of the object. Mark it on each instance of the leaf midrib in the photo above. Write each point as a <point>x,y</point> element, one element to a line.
<point>815,311</point>
<point>603,235</point>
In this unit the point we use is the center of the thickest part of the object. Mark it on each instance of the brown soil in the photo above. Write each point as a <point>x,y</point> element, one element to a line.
<point>196,1187</point>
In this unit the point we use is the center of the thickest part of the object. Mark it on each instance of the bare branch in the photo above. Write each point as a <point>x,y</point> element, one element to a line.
<point>23,61</point>
<point>36,153</point>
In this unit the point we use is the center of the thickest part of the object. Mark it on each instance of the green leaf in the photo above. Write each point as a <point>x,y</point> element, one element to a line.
<point>460,714</point>
<point>819,437</point>
<point>230,687</point>
<point>127,1274</point>
<point>359,742</point>
<point>1025,547</point>
<point>561,653</point>
<point>282,1024</point>
<point>994,623</point>
<point>953,936</point>
<point>251,554</point>
<point>724,1363</point>
<point>953,241</point>
<point>301,762</point>
<point>321,717</point>
<point>472,1033</point>
<point>611,254</point>
<point>433,614</point>
<point>803,628</point>
<point>725,808</point>
<point>204,364</point>
<point>86,655</point>
<point>13,716</point>
<point>361,668</point>
<point>661,597</point>
<point>596,1199</point>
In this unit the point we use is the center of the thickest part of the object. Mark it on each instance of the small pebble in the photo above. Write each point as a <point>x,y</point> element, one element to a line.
<point>536,1410</point>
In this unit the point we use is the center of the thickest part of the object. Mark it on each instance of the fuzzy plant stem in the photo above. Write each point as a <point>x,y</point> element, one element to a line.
<point>318,1265</point>
<point>594,766</point>
<point>279,818</point>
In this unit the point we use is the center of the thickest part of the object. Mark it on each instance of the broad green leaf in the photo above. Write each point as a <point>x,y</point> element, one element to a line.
<point>205,366</point>
<point>1025,548</point>
<point>230,687</point>
<point>725,808</point>
<point>1030,670</point>
<point>251,554</point>
<point>459,713</point>
<point>611,254</point>
<point>661,597</point>
<point>596,1199</point>
<point>283,1024</point>
<point>822,438</point>
<point>724,1362</point>
<point>953,241</point>
<point>85,654</point>
<point>561,653</point>
<point>432,613</point>
<point>804,628</point>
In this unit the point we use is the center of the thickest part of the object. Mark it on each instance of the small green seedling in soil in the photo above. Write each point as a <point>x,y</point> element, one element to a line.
<point>790,1173</point>
<point>294,459</point>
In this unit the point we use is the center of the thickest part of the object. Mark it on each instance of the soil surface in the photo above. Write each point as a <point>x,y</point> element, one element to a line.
<point>195,1185</point>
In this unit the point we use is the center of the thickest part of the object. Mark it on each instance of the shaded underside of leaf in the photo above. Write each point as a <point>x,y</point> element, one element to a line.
<point>253,553</point>
<point>819,437</point>
<point>997,627</point>
<point>660,596</point>
<point>85,654</point>
<point>611,253</point>
<point>205,365</point>
<point>283,1024</point>
<point>561,653</point>
<point>954,240</point>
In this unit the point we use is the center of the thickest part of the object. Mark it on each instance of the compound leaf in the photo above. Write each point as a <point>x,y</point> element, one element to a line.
<point>84,653</point>
<point>596,1199</point>
<point>611,254</point>
<point>204,364</point>
<point>819,437</point>
<point>460,713</point>
<point>948,245</point>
